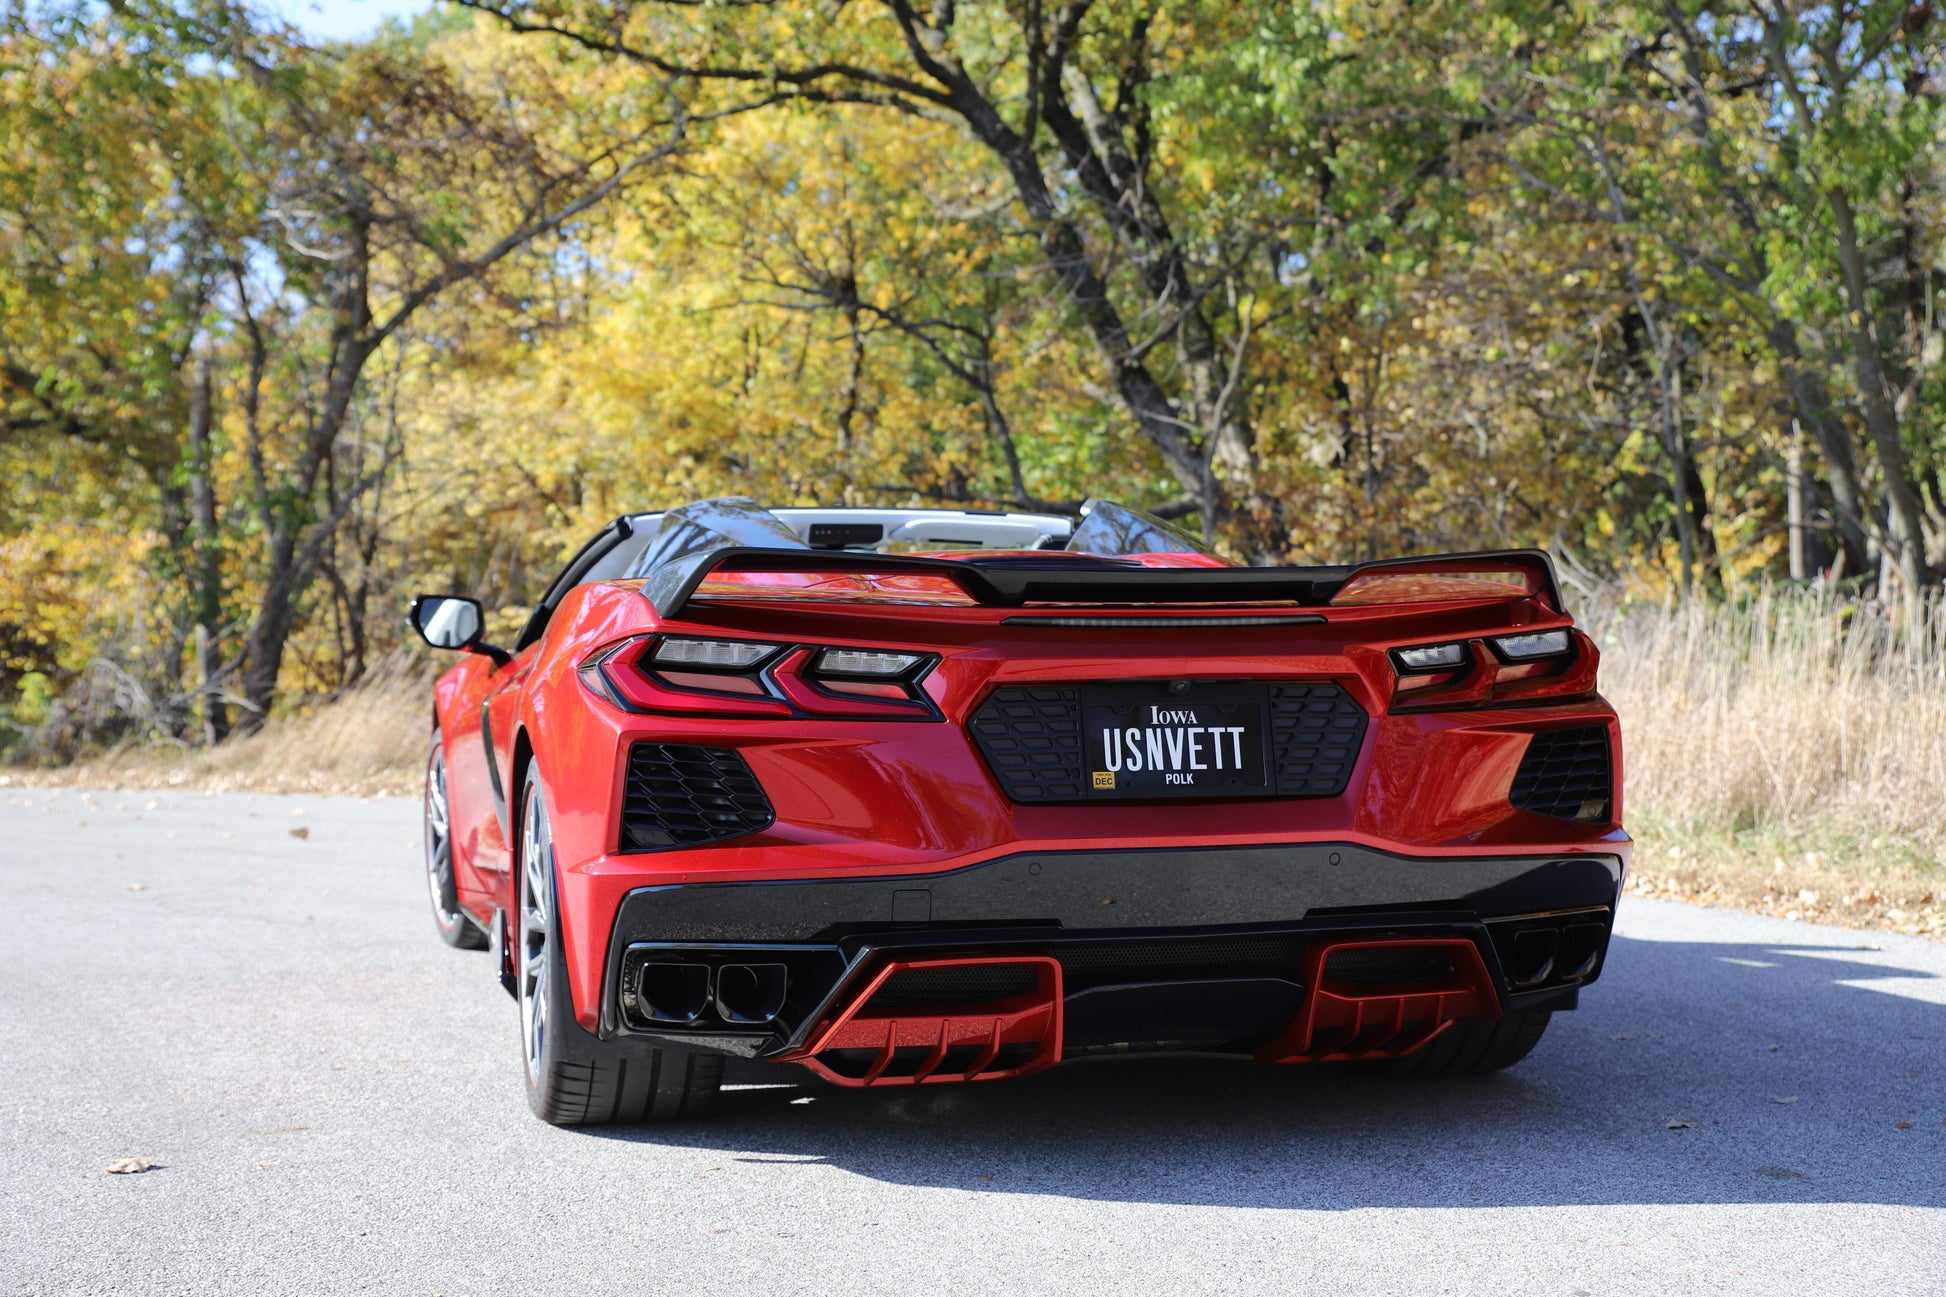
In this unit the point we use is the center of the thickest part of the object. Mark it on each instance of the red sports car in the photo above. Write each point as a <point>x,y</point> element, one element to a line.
<point>911,796</point>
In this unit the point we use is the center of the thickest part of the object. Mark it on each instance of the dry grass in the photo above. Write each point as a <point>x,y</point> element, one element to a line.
<point>371,740</point>
<point>1786,755</point>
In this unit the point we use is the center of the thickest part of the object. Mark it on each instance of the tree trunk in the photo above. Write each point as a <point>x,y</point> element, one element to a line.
<point>208,568</point>
<point>1875,397</point>
<point>1812,401</point>
<point>264,654</point>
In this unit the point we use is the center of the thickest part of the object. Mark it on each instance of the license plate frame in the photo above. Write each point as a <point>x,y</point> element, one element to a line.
<point>1213,738</point>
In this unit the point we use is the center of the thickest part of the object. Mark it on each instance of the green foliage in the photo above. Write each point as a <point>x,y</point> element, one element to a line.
<point>1359,278</point>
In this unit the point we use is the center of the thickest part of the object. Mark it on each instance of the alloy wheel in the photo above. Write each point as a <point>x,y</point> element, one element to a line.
<point>536,871</point>
<point>440,881</point>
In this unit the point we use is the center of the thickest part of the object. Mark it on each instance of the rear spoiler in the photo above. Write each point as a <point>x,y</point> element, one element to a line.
<point>1016,580</point>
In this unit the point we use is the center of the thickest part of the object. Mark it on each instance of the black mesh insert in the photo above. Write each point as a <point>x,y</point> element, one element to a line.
<point>1381,967</point>
<point>1566,774</point>
<point>1316,731</point>
<point>926,987</point>
<point>679,794</point>
<point>1031,739</point>
<point>1091,963</point>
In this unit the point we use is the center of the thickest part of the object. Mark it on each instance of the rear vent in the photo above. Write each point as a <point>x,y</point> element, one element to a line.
<point>679,795</point>
<point>972,984</point>
<point>1316,731</point>
<point>1091,963</point>
<point>1388,966</point>
<point>1031,739</point>
<point>1566,774</point>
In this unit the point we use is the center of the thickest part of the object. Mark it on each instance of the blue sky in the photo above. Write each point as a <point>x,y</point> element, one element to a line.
<point>345,19</point>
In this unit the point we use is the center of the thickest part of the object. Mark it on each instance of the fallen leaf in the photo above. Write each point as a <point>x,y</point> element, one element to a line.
<point>300,833</point>
<point>1678,1125</point>
<point>1788,1098</point>
<point>129,1166</point>
<point>151,805</point>
<point>1901,1125</point>
<point>1626,1035</point>
<point>136,887</point>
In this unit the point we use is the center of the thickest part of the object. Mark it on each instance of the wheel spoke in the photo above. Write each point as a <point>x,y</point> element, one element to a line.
<point>440,881</point>
<point>536,877</point>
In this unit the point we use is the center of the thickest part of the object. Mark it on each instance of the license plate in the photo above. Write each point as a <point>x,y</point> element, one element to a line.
<point>1208,740</point>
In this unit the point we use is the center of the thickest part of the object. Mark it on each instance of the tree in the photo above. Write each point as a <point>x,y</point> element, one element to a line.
<point>355,189</point>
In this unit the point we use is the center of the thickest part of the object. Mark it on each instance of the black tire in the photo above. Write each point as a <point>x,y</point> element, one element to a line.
<point>574,1078</point>
<point>456,928</point>
<point>1473,1048</point>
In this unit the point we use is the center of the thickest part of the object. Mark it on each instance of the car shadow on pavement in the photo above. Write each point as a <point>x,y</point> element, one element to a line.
<point>1810,1074</point>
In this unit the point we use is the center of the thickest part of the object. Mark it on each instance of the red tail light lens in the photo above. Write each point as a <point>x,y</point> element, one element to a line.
<point>633,683</point>
<point>690,676</point>
<point>1534,666</point>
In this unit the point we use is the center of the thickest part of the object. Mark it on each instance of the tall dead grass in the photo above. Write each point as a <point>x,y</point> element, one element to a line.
<point>1787,754</point>
<point>1794,712</point>
<point>371,739</point>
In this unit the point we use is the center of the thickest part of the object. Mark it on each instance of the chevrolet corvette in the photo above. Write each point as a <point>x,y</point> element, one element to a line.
<point>914,796</point>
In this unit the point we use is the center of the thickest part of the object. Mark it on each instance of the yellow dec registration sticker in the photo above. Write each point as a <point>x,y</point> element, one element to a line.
<point>1104,779</point>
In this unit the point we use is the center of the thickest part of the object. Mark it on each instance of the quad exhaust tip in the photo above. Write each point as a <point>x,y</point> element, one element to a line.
<point>680,994</point>
<point>674,993</point>
<point>751,993</point>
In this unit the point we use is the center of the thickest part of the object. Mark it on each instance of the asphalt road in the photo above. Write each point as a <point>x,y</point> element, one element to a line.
<point>332,1100</point>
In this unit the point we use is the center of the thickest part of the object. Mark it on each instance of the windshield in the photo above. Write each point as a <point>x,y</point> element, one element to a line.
<point>731,521</point>
<point>1111,529</point>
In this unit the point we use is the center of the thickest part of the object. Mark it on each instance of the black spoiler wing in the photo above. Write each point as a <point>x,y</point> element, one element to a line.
<point>1016,580</point>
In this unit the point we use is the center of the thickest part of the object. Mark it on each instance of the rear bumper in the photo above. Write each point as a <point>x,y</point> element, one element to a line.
<point>1201,946</point>
<point>1178,888</point>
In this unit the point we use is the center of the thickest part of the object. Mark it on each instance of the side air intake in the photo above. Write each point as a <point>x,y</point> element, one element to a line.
<point>1567,774</point>
<point>679,794</point>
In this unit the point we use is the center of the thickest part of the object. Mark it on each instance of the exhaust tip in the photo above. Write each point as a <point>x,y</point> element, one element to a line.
<point>672,992</point>
<point>751,993</point>
<point>1533,957</point>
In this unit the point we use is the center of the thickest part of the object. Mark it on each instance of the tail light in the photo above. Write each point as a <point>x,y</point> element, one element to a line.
<point>1547,665</point>
<point>686,675</point>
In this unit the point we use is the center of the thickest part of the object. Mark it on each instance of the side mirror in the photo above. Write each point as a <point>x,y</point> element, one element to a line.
<point>448,621</point>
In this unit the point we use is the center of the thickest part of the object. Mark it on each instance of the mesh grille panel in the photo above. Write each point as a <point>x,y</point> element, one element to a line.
<point>679,794</point>
<point>1388,967</point>
<point>1091,962</point>
<point>1316,731</point>
<point>920,987</point>
<point>1566,774</point>
<point>1031,739</point>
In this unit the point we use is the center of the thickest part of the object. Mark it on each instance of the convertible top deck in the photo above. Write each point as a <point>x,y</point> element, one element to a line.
<point>1013,581</point>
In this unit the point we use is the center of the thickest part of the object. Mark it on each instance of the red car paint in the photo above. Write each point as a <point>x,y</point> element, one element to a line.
<point>905,795</point>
